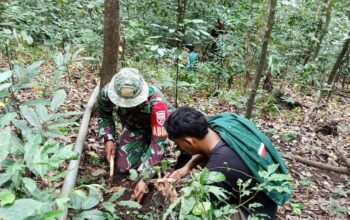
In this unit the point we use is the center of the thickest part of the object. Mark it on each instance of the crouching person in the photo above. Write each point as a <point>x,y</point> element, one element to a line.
<point>141,110</point>
<point>232,145</point>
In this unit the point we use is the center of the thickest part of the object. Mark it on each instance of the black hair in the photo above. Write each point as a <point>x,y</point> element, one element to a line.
<point>186,121</point>
<point>190,47</point>
<point>214,33</point>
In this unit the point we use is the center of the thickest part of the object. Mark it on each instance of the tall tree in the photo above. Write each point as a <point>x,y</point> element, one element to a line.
<point>181,10</point>
<point>320,32</point>
<point>339,60</point>
<point>263,55</point>
<point>111,41</point>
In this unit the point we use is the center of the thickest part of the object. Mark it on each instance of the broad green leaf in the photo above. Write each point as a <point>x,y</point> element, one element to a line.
<point>133,174</point>
<point>20,209</point>
<point>5,135</point>
<point>62,202</point>
<point>23,126</point>
<point>32,70</point>
<point>42,112</point>
<point>117,195</point>
<point>215,177</point>
<point>187,205</point>
<point>17,145</point>
<point>30,185</point>
<point>58,59</point>
<point>6,197</point>
<point>7,118</point>
<point>77,198</point>
<point>4,177</point>
<point>201,208</point>
<point>92,200</point>
<point>92,215</point>
<point>5,75</point>
<point>130,204</point>
<point>30,115</point>
<point>58,100</point>
<point>5,86</point>
<point>53,214</point>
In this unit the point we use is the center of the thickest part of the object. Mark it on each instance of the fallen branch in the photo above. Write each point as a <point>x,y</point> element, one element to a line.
<point>343,170</point>
<point>342,154</point>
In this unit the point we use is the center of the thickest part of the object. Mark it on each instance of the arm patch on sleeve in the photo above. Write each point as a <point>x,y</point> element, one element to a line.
<point>159,114</point>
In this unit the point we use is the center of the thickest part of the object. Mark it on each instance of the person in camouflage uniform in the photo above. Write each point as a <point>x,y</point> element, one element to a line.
<point>142,110</point>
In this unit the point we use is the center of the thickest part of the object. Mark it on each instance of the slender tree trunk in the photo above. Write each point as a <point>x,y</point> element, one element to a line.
<point>339,60</point>
<point>181,10</point>
<point>263,56</point>
<point>323,30</point>
<point>320,33</point>
<point>111,41</point>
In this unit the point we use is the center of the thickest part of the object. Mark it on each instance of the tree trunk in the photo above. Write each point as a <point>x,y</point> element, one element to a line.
<point>111,41</point>
<point>323,30</point>
<point>339,60</point>
<point>181,10</point>
<point>263,56</point>
<point>320,33</point>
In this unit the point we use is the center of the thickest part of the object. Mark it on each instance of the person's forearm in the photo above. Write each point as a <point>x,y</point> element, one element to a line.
<point>195,160</point>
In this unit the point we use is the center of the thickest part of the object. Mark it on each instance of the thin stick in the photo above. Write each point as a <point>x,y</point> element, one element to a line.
<point>111,169</point>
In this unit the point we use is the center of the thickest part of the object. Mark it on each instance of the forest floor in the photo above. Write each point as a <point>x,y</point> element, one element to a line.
<point>318,193</point>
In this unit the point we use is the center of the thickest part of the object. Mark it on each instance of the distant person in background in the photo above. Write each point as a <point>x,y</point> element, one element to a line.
<point>192,58</point>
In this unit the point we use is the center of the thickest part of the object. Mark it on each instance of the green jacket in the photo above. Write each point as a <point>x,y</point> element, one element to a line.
<point>254,148</point>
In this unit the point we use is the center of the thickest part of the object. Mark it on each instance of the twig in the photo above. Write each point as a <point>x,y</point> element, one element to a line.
<point>343,170</point>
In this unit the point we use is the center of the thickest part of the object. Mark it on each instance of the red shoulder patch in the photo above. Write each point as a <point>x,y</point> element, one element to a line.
<point>159,114</point>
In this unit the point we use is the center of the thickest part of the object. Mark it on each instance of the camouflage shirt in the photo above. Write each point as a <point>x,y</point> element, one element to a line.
<point>149,116</point>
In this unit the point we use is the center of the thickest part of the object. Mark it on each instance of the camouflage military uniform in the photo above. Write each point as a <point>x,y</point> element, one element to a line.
<point>143,138</point>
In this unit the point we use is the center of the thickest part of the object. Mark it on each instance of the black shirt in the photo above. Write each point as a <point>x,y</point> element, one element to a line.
<point>225,160</point>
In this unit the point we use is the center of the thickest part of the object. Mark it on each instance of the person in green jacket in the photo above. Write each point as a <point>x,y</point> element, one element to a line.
<point>192,58</point>
<point>232,145</point>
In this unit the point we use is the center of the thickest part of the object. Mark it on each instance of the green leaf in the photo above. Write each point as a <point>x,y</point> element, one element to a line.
<point>7,118</point>
<point>130,204</point>
<point>30,185</point>
<point>5,86</point>
<point>187,205</point>
<point>133,174</point>
<point>53,214</point>
<point>92,215</point>
<point>297,207</point>
<point>215,177</point>
<point>58,100</point>
<point>5,75</point>
<point>20,209</point>
<point>42,112</point>
<point>58,59</point>
<point>30,116</point>
<point>5,135</point>
<point>32,70</point>
<point>92,200</point>
<point>117,195</point>
<point>6,197</point>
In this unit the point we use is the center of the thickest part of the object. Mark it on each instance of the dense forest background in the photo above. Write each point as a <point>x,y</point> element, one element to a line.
<point>51,52</point>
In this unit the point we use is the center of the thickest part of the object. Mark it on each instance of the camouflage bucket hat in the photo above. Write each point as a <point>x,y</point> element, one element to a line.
<point>128,88</point>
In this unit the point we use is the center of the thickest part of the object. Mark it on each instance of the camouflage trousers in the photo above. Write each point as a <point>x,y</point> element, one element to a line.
<point>137,150</point>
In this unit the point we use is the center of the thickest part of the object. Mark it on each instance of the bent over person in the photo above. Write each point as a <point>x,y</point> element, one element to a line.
<point>232,145</point>
<point>141,110</point>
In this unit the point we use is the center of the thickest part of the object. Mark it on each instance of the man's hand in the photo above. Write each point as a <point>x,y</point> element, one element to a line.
<point>139,191</point>
<point>179,173</point>
<point>109,149</point>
